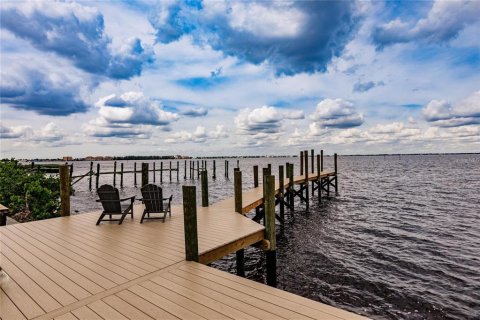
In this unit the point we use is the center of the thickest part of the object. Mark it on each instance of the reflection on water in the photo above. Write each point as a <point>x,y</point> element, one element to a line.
<point>400,241</point>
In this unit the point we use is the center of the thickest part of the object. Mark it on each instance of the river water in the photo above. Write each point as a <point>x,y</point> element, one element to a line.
<point>401,240</point>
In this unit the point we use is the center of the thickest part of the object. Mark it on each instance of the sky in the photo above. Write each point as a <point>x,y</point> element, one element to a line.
<point>209,78</point>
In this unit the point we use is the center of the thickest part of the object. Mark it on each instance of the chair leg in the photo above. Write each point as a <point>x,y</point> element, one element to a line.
<point>123,217</point>
<point>100,219</point>
<point>143,217</point>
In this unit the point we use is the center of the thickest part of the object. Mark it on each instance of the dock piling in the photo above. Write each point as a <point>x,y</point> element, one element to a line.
<point>301,163</point>
<point>319,180</point>
<point>64,190</point>
<point>161,172</point>
<point>135,174</point>
<point>321,160</point>
<point>90,176</point>
<point>204,188</point>
<point>306,180</point>
<point>281,180</point>
<point>178,170</point>
<point>269,205</point>
<point>185,171</point>
<point>190,222</point>
<point>214,170</point>
<point>114,173</point>
<point>144,173</point>
<point>121,175</point>
<point>335,169</point>
<point>97,178</point>
<point>170,171</point>
<point>237,181</point>
<point>154,171</point>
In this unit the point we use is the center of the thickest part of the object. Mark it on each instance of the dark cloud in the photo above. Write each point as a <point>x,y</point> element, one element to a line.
<point>445,20</point>
<point>76,33</point>
<point>41,94</point>
<point>293,37</point>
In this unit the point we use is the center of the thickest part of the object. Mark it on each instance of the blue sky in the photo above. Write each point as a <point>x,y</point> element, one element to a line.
<point>234,77</point>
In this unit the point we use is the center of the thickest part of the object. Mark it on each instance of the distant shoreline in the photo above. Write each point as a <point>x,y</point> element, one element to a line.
<point>126,158</point>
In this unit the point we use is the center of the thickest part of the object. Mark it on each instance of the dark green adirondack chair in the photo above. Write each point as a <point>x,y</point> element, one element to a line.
<point>155,203</point>
<point>111,202</point>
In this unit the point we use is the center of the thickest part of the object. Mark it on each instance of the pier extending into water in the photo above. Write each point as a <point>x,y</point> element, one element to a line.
<point>68,268</point>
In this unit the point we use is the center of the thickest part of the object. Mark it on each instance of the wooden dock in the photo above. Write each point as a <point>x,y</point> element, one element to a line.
<point>68,268</point>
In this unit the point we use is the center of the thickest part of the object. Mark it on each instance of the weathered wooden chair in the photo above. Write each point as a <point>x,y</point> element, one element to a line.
<point>111,202</point>
<point>154,203</point>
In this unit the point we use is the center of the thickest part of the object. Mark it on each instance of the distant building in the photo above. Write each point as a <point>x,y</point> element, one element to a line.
<point>67,158</point>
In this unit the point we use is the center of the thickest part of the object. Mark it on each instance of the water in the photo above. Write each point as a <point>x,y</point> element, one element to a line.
<point>400,241</point>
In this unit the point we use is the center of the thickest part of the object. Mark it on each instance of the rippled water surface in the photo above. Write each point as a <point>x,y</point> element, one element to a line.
<point>401,240</point>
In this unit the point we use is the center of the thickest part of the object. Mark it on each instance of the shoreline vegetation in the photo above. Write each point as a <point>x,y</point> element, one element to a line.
<point>28,194</point>
<point>180,157</point>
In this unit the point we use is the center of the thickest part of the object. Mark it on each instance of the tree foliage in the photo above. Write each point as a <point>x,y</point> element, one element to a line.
<point>32,192</point>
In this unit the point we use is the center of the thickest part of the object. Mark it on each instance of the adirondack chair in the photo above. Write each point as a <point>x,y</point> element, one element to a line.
<point>154,203</point>
<point>111,202</point>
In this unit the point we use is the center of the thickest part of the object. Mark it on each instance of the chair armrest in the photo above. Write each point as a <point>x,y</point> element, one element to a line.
<point>129,198</point>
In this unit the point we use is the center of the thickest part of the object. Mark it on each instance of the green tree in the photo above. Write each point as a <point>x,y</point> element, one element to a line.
<point>24,190</point>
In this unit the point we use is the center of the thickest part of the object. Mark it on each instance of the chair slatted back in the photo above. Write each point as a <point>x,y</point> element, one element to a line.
<point>108,192</point>
<point>152,198</point>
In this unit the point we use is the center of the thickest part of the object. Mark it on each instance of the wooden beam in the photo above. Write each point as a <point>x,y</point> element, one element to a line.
<point>234,246</point>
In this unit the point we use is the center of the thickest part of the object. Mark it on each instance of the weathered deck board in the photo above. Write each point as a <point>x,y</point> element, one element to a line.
<point>68,268</point>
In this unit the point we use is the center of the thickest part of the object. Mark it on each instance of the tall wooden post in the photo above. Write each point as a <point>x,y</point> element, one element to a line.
<point>198,169</point>
<point>237,183</point>
<point>269,167</point>
<point>114,173</point>
<point>144,173</point>
<point>161,172</point>
<point>154,171</point>
<point>71,172</point>
<point>97,178</point>
<point>301,163</point>
<point>255,176</point>
<point>214,170</point>
<point>64,190</point>
<point>306,180</point>
<point>90,176</point>
<point>291,185</point>
<point>178,169</point>
<point>319,179</point>
<point>238,164</point>
<point>190,222</point>
<point>135,174</point>
<point>269,205</point>
<point>336,175</point>
<point>321,160</point>
<point>312,163</point>
<point>281,180</point>
<point>170,171</point>
<point>121,175</point>
<point>204,188</point>
<point>185,171</point>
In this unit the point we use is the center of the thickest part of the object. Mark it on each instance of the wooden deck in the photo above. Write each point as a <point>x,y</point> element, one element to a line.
<point>68,268</point>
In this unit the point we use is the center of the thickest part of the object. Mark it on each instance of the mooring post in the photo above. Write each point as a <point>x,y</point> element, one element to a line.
<point>154,171</point>
<point>178,169</point>
<point>306,180</point>
<point>291,186</point>
<point>97,178</point>
<point>214,170</point>
<point>114,173</point>
<point>312,154</point>
<point>269,167</point>
<point>281,180</point>
<point>269,207</point>
<point>198,169</point>
<point>190,222</point>
<point>238,164</point>
<point>237,183</point>
<point>135,174</point>
<point>185,171</point>
<point>144,173</point>
<point>319,179</point>
<point>121,175</point>
<point>321,160</point>
<point>301,163</point>
<point>71,172</point>
<point>204,188</point>
<point>90,176</point>
<point>336,175</point>
<point>161,172</point>
<point>170,171</point>
<point>255,176</point>
<point>64,190</point>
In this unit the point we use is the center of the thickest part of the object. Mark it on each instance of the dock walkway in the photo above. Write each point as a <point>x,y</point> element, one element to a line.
<point>68,268</point>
